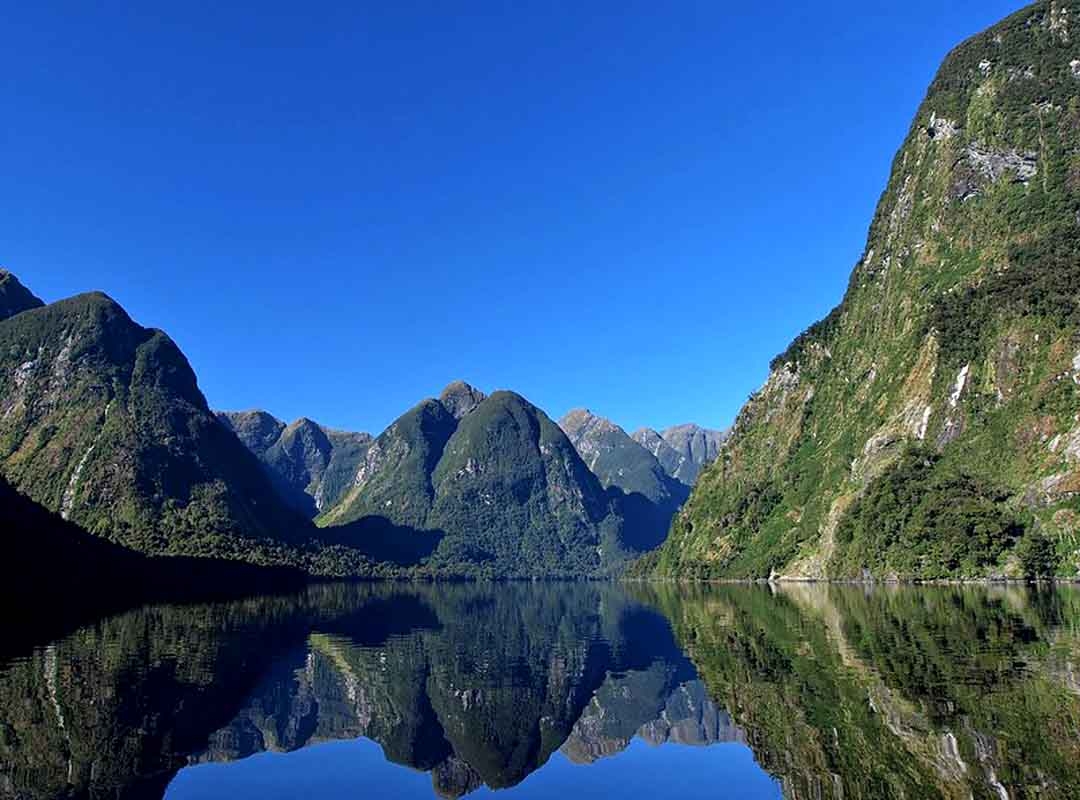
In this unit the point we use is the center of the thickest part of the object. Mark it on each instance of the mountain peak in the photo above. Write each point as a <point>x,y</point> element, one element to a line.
<point>577,420</point>
<point>14,297</point>
<point>460,398</point>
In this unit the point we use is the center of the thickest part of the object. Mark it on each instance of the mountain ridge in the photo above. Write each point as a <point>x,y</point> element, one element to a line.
<point>924,428</point>
<point>495,479</point>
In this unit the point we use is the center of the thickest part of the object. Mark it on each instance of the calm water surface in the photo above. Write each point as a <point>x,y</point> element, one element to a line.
<point>557,690</point>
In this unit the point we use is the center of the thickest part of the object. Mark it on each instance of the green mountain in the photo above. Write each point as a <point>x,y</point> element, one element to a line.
<point>14,297</point>
<point>682,450</point>
<point>496,480</point>
<point>311,466</point>
<point>928,426</point>
<point>101,421</point>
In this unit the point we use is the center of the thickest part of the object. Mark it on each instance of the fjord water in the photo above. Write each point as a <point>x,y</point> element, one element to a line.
<point>549,690</point>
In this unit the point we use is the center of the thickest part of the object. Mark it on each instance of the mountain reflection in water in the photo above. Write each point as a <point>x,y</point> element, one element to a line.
<point>838,692</point>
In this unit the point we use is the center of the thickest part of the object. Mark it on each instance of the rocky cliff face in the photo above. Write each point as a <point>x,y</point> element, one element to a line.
<point>101,421</point>
<point>311,466</point>
<point>621,710</point>
<point>682,450</point>
<point>926,427</point>
<point>645,496</point>
<point>619,461</point>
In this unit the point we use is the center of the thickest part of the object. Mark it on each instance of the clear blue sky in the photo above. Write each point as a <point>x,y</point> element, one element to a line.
<point>337,208</point>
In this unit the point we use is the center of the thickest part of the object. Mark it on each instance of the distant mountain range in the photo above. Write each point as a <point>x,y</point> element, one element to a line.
<point>682,450</point>
<point>103,423</point>
<point>311,466</point>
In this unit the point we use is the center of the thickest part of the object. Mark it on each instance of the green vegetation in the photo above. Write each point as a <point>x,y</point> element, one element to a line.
<point>919,519</point>
<point>1041,281</point>
<point>496,484</point>
<point>957,335</point>
<point>844,692</point>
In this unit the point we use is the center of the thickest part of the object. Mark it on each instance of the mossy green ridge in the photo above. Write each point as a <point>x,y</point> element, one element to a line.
<point>958,337</point>
<point>497,481</point>
<point>102,422</point>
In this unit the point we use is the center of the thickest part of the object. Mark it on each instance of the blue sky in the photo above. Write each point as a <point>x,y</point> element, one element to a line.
<point>337,208</point>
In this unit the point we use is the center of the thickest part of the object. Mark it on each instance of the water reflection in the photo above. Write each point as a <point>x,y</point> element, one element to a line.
<point>839,692</point>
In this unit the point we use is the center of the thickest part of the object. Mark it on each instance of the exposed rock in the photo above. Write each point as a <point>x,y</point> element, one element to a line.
<point>258,430</point>
<point>941,129</point>
<point>682,450</point>
<point>980,165</point>
<point>1074,65</point>
<point>1058,22</point>
<point>1053,489</point>
<point>460,398</point>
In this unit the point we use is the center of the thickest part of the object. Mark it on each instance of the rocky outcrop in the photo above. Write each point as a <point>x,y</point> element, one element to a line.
<point>459,398</point>
<point>627,707</point>
<point>981,165</point>
<point>682,450</point>
<point>617,459</point>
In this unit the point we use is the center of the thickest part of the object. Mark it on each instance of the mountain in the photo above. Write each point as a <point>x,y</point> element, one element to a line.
<point>496,480</point>
<point>650,495</point>
<point>682,450</point>
<point>102,421</point>
<point>14,297</point>
<point>616,459</point>
<point>927,427</point>
<point>311,466</point>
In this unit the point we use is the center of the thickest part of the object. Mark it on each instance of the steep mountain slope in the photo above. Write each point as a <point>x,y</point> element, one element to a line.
<point>394,479</point>
<point>646,495</point>
<point>497,480</point>
<point>617,460</point>
<point>101,420</point>
<point>14,297</point>
<point>682,450</point>
<point>311,466</point>
<point>927,427</point>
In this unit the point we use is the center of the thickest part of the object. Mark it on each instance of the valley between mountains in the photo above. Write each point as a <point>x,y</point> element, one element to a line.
<point>927,428</point>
